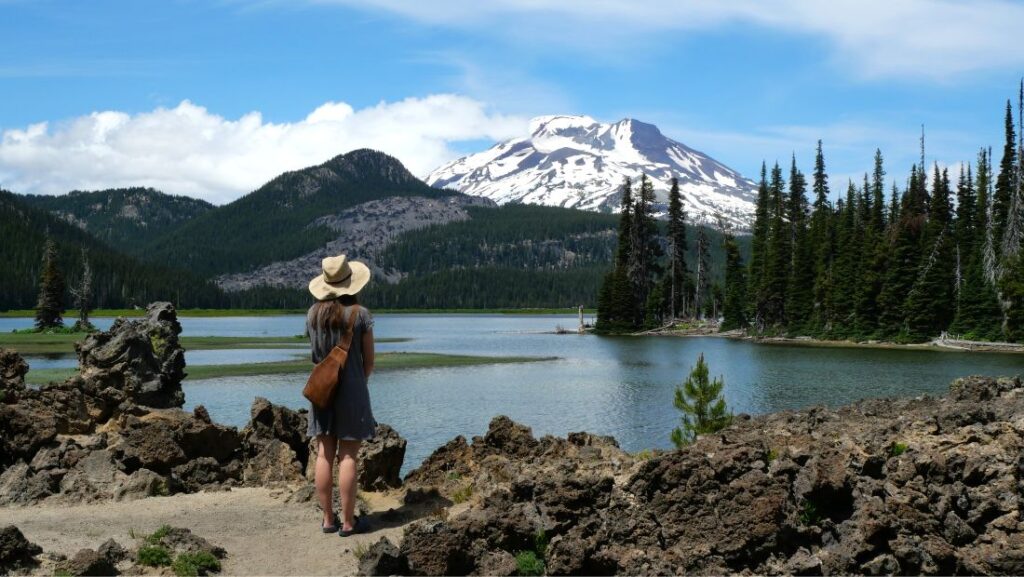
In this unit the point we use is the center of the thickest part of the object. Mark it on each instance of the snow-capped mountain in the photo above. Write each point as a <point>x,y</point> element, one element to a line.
<point>575,161</point>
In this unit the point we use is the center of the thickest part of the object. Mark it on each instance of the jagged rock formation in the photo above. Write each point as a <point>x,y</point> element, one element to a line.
<point>910,486</point>
<point>115,431</point>
<point>364,231</point>
<point>17,554</point>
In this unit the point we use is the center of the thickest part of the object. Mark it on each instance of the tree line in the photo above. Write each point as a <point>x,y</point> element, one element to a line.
<point>652,280</point>
<point>905,266</point>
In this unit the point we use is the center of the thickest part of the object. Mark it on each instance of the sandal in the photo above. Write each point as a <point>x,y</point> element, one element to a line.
<point>333,528</point>
<point>361,526</point>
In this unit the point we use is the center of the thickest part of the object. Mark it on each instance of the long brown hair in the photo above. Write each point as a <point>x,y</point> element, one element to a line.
<point>330,313</point>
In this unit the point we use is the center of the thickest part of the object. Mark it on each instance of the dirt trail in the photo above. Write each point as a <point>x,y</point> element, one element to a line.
<point>262,533</point>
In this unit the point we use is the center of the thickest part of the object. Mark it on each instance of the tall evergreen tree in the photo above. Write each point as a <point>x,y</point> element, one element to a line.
<point>50,305</point>
<point>929,302</point>
<point>978,315</point>
<point>845,273</point>
<point>625,223</point>
<point>904,260</point>
<point>703,272</point>
<point>779,261</point>
<point>735,306</point>
<point>799,292</point>
<point>644,247</point>
<point>821,239</point>
<point>1004,182</point>
<point>759,251</point>
<point>677,247</point>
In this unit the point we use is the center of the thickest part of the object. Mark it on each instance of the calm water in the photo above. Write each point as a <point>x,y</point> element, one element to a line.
<point>616,386</point>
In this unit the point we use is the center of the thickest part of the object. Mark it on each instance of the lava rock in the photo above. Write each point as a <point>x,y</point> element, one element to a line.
<point>16,552</point>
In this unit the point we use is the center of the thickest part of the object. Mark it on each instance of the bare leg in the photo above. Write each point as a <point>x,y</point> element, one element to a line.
<point>328,446</point>
<point>348,454</point>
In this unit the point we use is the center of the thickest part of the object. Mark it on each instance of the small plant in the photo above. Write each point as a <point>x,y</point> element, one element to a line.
<point>61,572</point>
<point>453,475</point>
<point>462,495</point>
<point>703,407</point>
<point>527,563</point>
<point>131,533</point>
<point>897,449</point>
<point>360,550</point>
<point>195,564</point>
<point>153,556</point>
<point>809,514</point>
<point>540,543</point>
<point>159,534</point>
<point>772,455</point>
<point>644,455</point>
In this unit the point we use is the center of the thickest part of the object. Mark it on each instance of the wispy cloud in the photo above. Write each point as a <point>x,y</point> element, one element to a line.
<point>933,39</point>
<point>189,150</point>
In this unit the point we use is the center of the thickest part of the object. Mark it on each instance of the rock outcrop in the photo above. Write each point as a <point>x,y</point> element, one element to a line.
<point>115,431</point>
<point>17,554</point>
<point>925,485</point>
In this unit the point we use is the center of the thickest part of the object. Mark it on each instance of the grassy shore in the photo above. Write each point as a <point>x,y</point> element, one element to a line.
<point>72,314</point>
<point>42,343</point>
<point>385,362</point>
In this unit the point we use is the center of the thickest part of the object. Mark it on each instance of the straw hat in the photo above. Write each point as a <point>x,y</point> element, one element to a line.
<point>340,277</point>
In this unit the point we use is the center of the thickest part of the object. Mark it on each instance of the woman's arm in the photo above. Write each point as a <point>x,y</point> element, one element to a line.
<point>368,352</point>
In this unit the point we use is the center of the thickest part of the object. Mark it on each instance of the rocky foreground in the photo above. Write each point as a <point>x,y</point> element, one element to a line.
<point>925,485</point>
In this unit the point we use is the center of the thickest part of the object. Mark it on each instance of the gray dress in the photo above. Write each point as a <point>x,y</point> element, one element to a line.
<point>351,417</point>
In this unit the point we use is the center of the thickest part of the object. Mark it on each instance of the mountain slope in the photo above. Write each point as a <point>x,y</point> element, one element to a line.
<point>124,218</point>
<point>276,222</point>
<point>575,161</point>
<point>118,280</point>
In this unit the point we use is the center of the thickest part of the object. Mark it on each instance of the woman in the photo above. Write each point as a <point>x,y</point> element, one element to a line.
<point>340,428</point>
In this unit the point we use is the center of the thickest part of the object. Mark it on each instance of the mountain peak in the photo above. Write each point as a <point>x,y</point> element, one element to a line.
<point>576,161</point>
<point>369,163</point>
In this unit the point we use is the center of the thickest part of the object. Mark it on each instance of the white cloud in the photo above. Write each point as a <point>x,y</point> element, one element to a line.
<point>189,150</point>
<point>935,39</point>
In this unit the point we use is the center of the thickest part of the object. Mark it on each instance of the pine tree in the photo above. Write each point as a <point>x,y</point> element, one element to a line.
<point>735,305</point>
<point>1004,182</point>
<point>904,260</point>
<point>83,295</point>
<point>799,295</point>
<point>703,273</point>
<point>779,262</point>
<point>644,247</point>
<point>703,407</point>
<point>847,254</point>
<point>759,251</point>
<point>821,240</point>
<point>978,315</point>
<point>929,302</point>
<point>677,247</point>
<point>873,253</point>
<point>625,224</point>
<point>50,305</point>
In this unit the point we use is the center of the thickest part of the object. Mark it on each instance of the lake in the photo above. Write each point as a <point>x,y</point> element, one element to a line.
<point>620,386</point>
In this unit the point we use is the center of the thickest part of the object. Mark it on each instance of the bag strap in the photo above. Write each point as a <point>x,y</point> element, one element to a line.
<point>350,326</point>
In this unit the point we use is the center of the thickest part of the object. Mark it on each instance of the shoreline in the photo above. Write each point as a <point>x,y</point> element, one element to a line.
<point>933,346</point>
<point>71,314</point>
<point>390,361</point>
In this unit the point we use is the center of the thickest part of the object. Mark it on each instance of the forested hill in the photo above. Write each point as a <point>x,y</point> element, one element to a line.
<point>118,280</point>
<point>274,223</point>
<point>508,257</point>
<point>124,218</point>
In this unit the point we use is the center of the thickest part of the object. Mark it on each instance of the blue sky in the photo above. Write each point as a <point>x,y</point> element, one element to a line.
<point>93,91</point>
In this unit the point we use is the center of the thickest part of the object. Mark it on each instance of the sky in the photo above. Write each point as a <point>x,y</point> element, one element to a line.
<point>212,98</point>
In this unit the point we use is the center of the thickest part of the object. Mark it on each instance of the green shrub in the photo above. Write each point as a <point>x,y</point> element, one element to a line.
<point>527,563</point>
<point>160,533</point>
<point>644,455</point>
<point>195,564</point>
<point>771,456</point>
<point>540,543</point>
<point>153,556</point>
<point>462,495</point>
<point>897,449</point>
<point>809,514</point>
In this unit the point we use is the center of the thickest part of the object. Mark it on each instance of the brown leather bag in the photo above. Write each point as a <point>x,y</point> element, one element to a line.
<point>323,381</point>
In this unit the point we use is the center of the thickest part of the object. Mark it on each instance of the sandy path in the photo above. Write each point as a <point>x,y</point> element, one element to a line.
<point>262,534</point>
